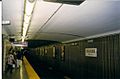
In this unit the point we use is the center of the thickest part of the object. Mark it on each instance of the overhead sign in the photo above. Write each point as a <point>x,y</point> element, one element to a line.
<point>7,22</point>
<point>72,2</point>
<point>21,44</point>
<point>91,52</point>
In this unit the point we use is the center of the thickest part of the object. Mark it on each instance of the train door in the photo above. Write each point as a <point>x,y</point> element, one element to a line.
<point>71,59</point>
<point>57,56</point>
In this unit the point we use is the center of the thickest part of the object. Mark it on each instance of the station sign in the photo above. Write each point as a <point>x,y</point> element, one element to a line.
<point>91,52</point>
<point>20,44</point>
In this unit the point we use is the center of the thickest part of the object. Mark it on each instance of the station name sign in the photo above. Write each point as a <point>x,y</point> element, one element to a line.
<point>20,44</point>
<point>91,52</point>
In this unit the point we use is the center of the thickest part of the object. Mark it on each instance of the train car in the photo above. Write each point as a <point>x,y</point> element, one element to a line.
<point>95,58</point>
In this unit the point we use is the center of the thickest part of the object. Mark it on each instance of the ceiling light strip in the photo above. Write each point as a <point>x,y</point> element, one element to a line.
<point>29,6</point>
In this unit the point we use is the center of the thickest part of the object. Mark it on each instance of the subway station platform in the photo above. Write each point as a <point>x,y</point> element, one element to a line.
<point>27,71</point>
<point>24,72</point>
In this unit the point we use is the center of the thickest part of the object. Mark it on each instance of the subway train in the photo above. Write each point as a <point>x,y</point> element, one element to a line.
<point>93,58</point>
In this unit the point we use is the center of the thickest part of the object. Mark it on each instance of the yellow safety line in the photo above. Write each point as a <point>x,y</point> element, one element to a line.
<point>30,71</point>
<point>21,71</point>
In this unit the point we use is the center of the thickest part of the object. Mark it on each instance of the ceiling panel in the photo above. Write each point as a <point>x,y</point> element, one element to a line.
<point>70,22</point>
<point>89,18</point>
<point>12,10</point>
<point>42,12</point>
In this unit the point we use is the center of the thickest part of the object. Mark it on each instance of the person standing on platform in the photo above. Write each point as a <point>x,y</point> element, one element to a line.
<point>15,57</point>
<point>19,59</point>
<point>22,53</point>
<point>10,61</point>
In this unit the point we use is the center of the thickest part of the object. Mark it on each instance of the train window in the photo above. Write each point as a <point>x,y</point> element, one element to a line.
<point>62,53</point>
<point>46,51</point>
<point>43,52</point>
<point>74,44</point>
<point>40,51</point>
<point>54,52</point>
<point>37,52</point>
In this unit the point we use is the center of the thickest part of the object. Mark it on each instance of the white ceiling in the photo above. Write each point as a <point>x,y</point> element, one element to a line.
<point>92,17</point>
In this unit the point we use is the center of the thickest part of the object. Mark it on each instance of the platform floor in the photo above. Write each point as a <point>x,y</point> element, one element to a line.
<point>17,73</point>
<point>26,71</point>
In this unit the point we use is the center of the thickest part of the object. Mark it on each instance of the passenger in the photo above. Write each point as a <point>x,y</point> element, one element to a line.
<point>15,57</point>
<point>9,63</point>
<point>19,58</point>
<point>23,53</point>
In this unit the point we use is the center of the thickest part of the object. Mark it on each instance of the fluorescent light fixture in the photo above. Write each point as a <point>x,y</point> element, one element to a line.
<point>7,22</point>
<point>27,18</point>
<point>25,27</point>
<point>29,7</point>
<point>23,38</point>
<point>24,33</point>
